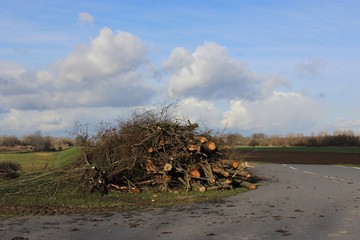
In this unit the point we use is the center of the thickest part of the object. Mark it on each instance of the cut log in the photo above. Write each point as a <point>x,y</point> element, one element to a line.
<point>206,167</point>
<point>193,148</point>
<point>223,184</point>
<point>217,169</point>
<point>210,146</point>
<point>242,173</point>
<point>151,167</point>
<point>197,186</point>
<point>167,167</point>
<point>163,182</point>
<point>231,163</point>
<point>201,139</point>
<point>245,184</point>
<point>194,172</point>
<point>245,165</point>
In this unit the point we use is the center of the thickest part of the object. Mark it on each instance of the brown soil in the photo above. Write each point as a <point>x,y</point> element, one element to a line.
<point>292,157</point>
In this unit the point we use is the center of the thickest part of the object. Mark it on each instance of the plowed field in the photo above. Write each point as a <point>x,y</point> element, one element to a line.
<point>292,157</point>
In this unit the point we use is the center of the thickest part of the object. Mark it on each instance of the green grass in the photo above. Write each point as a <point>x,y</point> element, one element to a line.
<point>69,201</point>
<point>29,161</point>
<point>302,149</point>
<point>63,158</point>
<point>37,161</point>
<point>49,186</point>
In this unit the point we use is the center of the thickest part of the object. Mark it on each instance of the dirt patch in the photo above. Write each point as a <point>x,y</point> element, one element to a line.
<point>292,157</point>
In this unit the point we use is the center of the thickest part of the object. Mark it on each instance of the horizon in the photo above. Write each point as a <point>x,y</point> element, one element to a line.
<point>248,67</point>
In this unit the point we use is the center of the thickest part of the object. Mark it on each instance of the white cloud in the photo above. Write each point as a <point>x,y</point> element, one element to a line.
<point>210,73</point>
<point>10,70</point>
<point>201,111</point>
<point>108,55</point>
<point>279,113</point>
<point>108,72</point>
<point>179,58</point>
<point>60,121</point>
<point>111,73</point>
<point>85,18</point>
<point>14,80</point>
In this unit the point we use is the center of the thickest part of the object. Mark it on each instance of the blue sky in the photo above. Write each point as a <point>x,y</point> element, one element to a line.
<point>276,67</point>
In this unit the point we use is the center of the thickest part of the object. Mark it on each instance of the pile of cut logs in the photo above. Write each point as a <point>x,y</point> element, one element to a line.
<point>198,167</point>
<point>174,157</point>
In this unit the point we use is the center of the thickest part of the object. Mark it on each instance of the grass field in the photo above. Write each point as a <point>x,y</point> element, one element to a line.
<point>36,161</point>
<point>303,149</point>
<point>43,188</point>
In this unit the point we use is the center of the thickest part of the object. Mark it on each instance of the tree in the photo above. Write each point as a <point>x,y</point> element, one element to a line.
<point>9,141</point>
<point>37,141</point>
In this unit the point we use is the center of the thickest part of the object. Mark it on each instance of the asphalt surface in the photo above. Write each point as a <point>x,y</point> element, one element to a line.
<point>295,202</point>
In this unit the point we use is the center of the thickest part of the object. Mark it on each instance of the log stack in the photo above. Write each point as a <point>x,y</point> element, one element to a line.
<point>171,156</point>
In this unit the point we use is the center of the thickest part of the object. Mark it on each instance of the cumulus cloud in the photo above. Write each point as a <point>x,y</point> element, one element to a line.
<point>10,70</point>
<point>211,73</point>
<point>108,55</point>
<point>107,72</point>
<point>179,58</point>
<point>110,75</point>
<point>282,112</point>
<point>201,111</point>
<point>85,18</point>
<point>14,79</point>
<point>278,113</point>
<point>60,121</point>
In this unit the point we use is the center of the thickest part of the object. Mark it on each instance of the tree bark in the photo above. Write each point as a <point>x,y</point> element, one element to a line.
<point>210,146</point>
<point>197,186</point>
<point>217,169</point>
<point>167,167</point>
<point>194,172</point>
<point>201,139</point>
<point>231,163</point>
<point>208,172</point>
<point>240,172</point>
<point>245,184</point>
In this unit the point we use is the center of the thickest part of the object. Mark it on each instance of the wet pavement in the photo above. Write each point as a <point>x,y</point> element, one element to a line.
<point>295,202</point>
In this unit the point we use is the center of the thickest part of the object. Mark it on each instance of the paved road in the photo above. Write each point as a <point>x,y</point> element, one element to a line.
<point>296,202</point>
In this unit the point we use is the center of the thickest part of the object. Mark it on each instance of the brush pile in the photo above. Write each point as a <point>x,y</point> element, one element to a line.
<point>149,151</point>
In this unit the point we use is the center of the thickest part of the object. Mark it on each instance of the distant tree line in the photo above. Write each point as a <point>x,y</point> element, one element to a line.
<point>36,142</point>
<point>338,138</point>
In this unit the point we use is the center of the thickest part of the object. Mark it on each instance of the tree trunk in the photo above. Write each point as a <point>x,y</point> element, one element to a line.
<point>194,172</point>
<point>210,146</point>
<point>245,184</point>
<point>230,163</point>
<point>197,186</point>
<point>205,166</point>
<point>217,169</point>
<point>201,139</point>
<point>167,167</point>
<point>242,173</point>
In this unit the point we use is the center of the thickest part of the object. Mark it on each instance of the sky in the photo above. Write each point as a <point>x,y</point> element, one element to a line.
<point>251,66</point>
